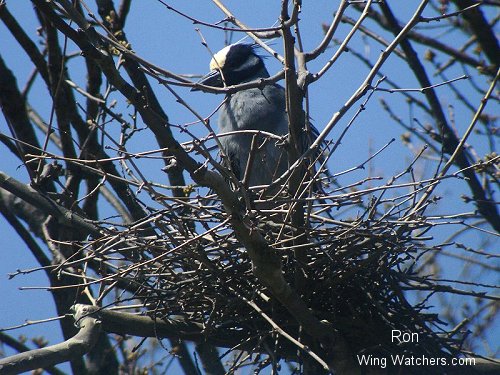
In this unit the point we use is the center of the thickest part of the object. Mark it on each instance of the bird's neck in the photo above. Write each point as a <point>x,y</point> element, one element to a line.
<point>261,73</point>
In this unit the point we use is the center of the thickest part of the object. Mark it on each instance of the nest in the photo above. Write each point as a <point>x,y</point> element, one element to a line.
<point>354,274</point>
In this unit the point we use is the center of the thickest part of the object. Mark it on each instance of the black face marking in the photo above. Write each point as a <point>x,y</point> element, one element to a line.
<point>241,63</point>
<point>237,55</point>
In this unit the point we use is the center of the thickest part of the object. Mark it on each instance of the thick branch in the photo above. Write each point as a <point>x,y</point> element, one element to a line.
<point>210,359</point>
<point>14,109</point>
<point>24,41</point>
<point>68,350</point>
<point>481,28</point>
<point>48,206</point>
<point>20,347</point>
<point>143,326</point>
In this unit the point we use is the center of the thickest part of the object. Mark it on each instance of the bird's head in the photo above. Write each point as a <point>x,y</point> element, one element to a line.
<point>234,64</point>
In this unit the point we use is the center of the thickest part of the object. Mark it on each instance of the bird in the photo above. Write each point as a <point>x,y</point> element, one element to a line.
<point>256,109</point>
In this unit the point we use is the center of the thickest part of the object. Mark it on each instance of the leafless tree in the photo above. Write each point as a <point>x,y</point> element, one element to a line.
<point>205,267</point>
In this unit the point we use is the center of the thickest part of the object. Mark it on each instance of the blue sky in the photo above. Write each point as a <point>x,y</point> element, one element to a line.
<point>170,41</point>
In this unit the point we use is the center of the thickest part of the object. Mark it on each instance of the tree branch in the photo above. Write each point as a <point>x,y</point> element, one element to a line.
<point>75,347</point>
<point>13,343</point>
<point>480,27</point>
<point>266,264</point>
<point>486,206</point>
<point>48,206</point>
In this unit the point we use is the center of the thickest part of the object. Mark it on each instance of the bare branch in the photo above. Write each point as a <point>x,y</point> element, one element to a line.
<point>73,348</point>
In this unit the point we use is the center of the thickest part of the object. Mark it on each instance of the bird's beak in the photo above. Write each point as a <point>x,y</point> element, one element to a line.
<point>214,78</point>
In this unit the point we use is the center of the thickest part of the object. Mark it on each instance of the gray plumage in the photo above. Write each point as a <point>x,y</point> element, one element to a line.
<point>255,109</point>
<point>251,109</point>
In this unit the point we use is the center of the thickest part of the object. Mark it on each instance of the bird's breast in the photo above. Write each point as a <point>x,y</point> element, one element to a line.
<point>254,109</point>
